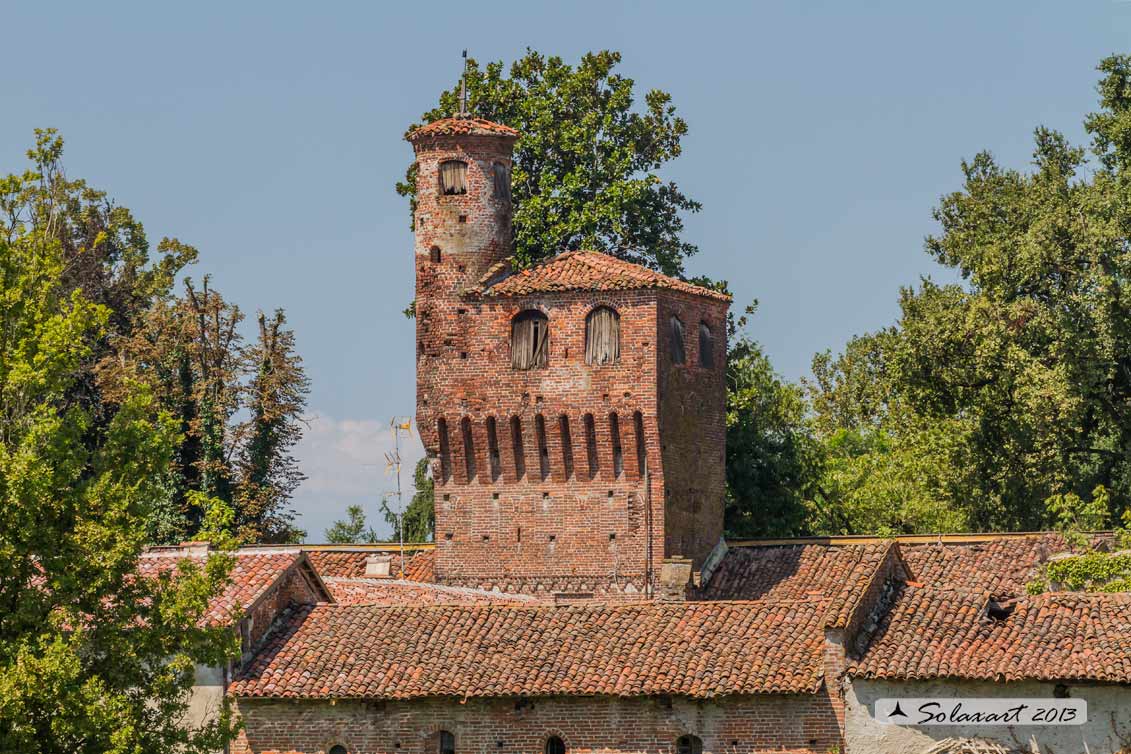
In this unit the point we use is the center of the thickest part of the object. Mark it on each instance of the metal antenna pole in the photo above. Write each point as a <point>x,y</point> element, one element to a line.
<point>463,88</point>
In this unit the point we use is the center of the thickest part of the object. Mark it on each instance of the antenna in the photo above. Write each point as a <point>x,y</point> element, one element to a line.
<point>463,88</point>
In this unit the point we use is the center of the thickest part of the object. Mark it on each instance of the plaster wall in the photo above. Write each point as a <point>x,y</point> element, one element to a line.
<point>1108,730</point>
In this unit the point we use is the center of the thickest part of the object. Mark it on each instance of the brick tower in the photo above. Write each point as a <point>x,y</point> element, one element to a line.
<point>573,411</point>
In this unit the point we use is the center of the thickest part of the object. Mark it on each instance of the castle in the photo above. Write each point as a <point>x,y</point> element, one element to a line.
<point>579,596</point>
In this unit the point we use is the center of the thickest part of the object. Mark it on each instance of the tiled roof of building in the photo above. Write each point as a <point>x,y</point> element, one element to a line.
<point>839,574</point>
<point>351,563</point>
<point>936,633</point>
<point>1001,566</point>
<point>697,650</point>
<point>363,591</point>
<point>461,127</point>
<point>583,271</point>
<point>253,573</point>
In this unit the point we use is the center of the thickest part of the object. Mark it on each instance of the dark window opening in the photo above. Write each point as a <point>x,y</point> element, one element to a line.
<point>602,336</point>
<point>493,447</point>
<point>679,354</point>
<point>706,346</point>
<point>567,445</point>
<point>468,448</point>
<point>338,749</point>
<point>543,449</point>
<point>446,743</point>
<point>453,177</point>
<point>554,745</point>
<point>502,180</point>
<point>445,451</point>
<point>618,451</point>
<point>434,254</point>
<point>641,445</point>
<point>519,450</point>
<point>688,745</point>
<point>591,445</point>
<point>530,340</point>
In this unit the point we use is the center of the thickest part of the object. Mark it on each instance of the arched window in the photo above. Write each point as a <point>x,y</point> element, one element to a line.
<point>338,749</point>
<point>502,179</point>
<point>706,346</point>
<point>453,177</point>
<point>434,254</point>
<point>530,339</point>
<point>554,745</point>
<point>602,336</point>
<point>679,354</point>
<point>688,745</point>
<point>445,743</point>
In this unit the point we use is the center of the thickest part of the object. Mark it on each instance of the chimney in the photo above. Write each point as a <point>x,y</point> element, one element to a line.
<point>675,577</point>
<point>379,567</point>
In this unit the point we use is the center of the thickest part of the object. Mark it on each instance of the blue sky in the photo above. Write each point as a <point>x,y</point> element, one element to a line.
<point>269,136</point>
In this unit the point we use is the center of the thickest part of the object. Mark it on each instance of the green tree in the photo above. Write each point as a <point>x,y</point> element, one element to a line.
<point>92,659</point>
<point>352,530</point>
<point>419,519</point>
<point>1016,382</point>
<point>585,168</point>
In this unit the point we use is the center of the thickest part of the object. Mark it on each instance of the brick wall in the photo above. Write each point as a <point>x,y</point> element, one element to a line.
<point>540,485</point>
<point>770,723</point>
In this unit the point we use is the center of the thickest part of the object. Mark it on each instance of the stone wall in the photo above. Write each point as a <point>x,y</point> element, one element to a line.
<point>771,723</point>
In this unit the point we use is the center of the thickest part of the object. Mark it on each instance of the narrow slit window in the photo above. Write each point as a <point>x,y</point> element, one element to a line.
<point>706,346</point>
<point>543,449</point>
<point>618,450</point>
<point>434,254</point>
<point>641,445</point>
<point>567,445</point>
<point>679,353</point>
<point>445,451</point>
<point>468,448</point>
<point>591,445</point>
<point>602,336</point>
<point>519,449</point>
<point>530,340</point>
<point>453,177</point>
<point>493,447</point>
<point>502,178</point>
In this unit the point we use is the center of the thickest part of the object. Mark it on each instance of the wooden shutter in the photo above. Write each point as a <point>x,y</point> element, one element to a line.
<point>602,336</point>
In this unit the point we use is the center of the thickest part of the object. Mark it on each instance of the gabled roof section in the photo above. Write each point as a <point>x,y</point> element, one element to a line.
<point>461,127</point>
<point>581,271</point>
<point>948,633</point>
<point>698,650</point>
<point>839,575</point>
<point>254,573</point>
<point>347,562</point>
<point>354,590</point>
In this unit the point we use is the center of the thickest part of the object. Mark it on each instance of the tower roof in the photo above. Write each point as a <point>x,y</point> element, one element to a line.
<point>584,271</point>
<point>461,127</point>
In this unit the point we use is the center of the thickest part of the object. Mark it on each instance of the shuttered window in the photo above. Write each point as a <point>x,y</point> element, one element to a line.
<point>453,177</point>
<point>502,181</point>
<point>706,346</point>
<point>679,353</point>
<point>530,340</point>
<point>602,336</point>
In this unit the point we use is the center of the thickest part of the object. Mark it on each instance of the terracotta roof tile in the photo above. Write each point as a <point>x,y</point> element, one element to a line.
<point>351,563</point>
<point>585,271</point>
<point>1001,566</point>
<point>461,127</point>
<point>697,650</point>
<point>251,576</point>
<point>935,633</point>
<point>838,573</point>
<point>363,591</point>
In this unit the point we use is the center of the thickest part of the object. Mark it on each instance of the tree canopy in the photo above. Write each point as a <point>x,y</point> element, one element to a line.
<point>585,168</point>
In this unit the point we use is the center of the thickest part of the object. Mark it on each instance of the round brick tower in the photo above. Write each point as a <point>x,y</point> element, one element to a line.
<point>463,206</point>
